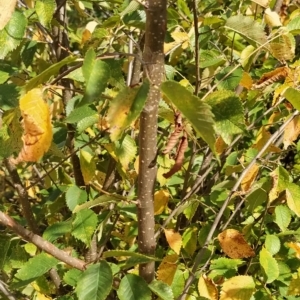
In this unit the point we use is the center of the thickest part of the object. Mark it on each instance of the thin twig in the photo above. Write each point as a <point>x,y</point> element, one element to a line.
<point>199,256</point>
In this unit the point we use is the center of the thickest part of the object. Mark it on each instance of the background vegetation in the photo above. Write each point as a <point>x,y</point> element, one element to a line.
<point>149,150</point>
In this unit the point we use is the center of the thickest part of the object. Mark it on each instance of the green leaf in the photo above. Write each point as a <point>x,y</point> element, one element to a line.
<point>87,122</point>
<point>126,151</point>
<point>133,287</point>
<point>5,242</point>
<point>95,283</point>
<point>80,113</point>
<point>9,96</point>
<point>96,74</point>
<point>134,261</point>
<point>229,114</point>
<point>293,199</point>
<point>272,244</point>
<point>282,217</point>
<point>75,196</point>
<point>210,58</point>
<point>229,82</point>
<point>292,95</point>
<point>57,230</point>
<point>196,111</point>
<point>269,265</point>
<point>84,225</point>
<point>294,25</point>
<point>12,34</point>
<point>72,276</point>
<point>224,267</point>
<point>87,165</point>
<point>125,108</point>
<point>248,28</point>
<point>36,266</point>
<point>49,72</point>
<point>161,289</point>
<point>45,10</point>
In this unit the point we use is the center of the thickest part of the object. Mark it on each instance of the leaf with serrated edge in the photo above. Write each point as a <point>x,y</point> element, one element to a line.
<point>247,27</point>
<point>36,266</point>
<point>234,244</point>
<point>95,282</point>
<point>45,10</point>
<point>282,217</point>
<point>237,288</point>
<point>207,288</point>
<point>228,112</point>
<point>12,35</point>
<point>75,196</point>
<point>292,198</point>
<point>269,265</point>
<point>161,289</point>
<point>272,244</point>
<point>167,269</point>
<point>84,225</point>
<point>133,287</point>
<point>174,240</point>
<point>126,150</point>
<point>195,110</point>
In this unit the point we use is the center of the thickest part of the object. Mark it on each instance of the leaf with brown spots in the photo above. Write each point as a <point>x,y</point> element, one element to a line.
<point>234,244</point>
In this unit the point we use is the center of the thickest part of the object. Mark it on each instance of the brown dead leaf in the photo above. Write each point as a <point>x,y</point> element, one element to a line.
<point>234,244</point>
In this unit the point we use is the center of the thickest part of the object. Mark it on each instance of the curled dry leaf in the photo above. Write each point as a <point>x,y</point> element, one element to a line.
<point>234,244</point>
<point>37,134</point>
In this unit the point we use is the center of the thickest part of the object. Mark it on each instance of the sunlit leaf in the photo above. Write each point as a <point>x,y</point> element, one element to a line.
<point>161,289</point>
<point>161,199</point>
<point>282,217</point>
<point>167,269</point>
<point>88,166</point>
<point>234,244</point>
<point>272,244</point>
<point>7,9</point>
<point>207,288</point>
<point>196,111</point>
<point>125,108</point>
<point>269,265</point>
<point>247,27</point>
<point>45,10</point>
<point>37,135</point>
<point>13,32</point>
<point>292,197</point>
<point>228,112</point>
<point>174,240</point>
<point>249,178</point>
<point>238,288</point>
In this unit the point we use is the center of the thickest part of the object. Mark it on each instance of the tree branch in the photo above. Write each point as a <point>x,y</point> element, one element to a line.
<point>153,56</point>
<point>41,243</point>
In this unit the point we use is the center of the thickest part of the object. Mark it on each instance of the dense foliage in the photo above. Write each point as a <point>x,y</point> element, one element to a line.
<point>79,82</point>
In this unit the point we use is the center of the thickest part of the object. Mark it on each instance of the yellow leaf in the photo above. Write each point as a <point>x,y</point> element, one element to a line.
<point>246,81</point>
<point>37,134</point>
<point>249,178</point>
<point>272,18</point>
<point>167,269</point>
<point>291,132</point>
<point>294,287</point>
<point>87,33</point>
<point>40,296</point>
<point>220,145</point>
<point>237,288</point>
<point>207,288</point>
<point>296,247</point>
<point>264,3</point>
<point>174,240</point>
<point>88,166</point>
<point>262,138</point>
<point>30,3</point>
<point>161,199</point>
<point>234,244</point>
<point>7,8</point>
